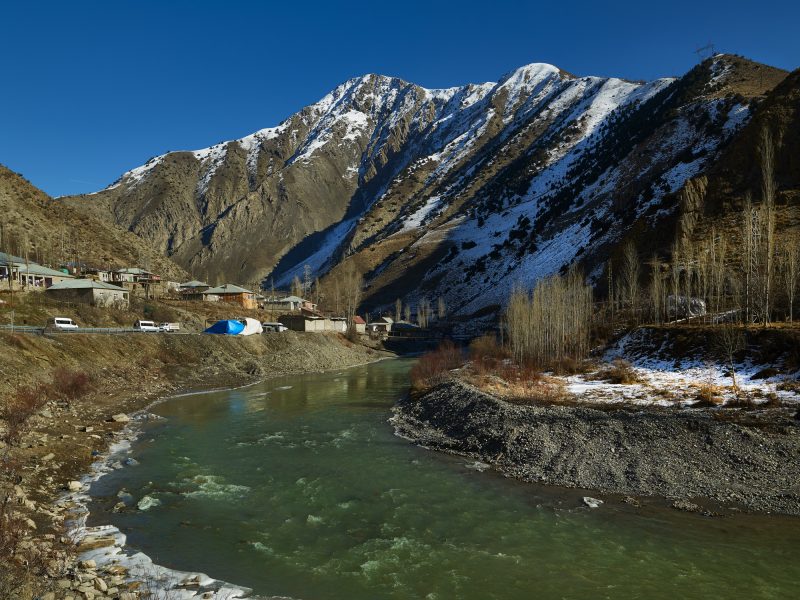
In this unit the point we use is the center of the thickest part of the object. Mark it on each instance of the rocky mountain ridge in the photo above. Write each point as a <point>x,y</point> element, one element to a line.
<point>459,193</point>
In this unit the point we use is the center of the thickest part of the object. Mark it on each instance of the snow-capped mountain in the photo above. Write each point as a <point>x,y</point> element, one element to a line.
<point>458,192</point>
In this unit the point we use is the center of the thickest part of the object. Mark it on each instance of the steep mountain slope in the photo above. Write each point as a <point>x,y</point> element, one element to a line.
<point>50,232</point>
<point>457,193</point>
<point>530,206</point>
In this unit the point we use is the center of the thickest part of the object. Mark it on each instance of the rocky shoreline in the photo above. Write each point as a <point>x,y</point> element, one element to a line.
<point>737,460</point>
<point>67,441</point>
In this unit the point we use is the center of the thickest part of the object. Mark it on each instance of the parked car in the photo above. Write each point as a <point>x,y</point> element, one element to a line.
<point>167,327</point>
<point>274,327</point>
<point>64,323</point>
<point>145,326</point>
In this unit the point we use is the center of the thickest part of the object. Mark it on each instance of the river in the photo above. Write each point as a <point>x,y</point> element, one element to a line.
<point>297,487</point>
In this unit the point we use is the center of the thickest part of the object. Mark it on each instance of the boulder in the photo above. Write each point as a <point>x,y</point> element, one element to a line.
<point>120,418</point>
<point>592,502</point>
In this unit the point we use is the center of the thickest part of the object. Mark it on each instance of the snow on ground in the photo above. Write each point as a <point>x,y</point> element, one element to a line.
<point>415,219</point>
<point>667,382</point>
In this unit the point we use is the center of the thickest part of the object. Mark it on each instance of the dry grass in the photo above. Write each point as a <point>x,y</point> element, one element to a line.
<point>789,385</point>
<point>709,394</point>
<point>620,372</point>
<point>521,384</point>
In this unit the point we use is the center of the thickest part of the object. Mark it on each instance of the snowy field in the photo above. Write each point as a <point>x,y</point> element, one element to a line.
<point>673,382</point>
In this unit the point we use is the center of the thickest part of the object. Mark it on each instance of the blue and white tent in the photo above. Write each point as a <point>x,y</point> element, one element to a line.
<point>226,327</point>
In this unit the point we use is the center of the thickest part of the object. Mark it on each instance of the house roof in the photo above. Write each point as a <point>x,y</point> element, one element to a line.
<point>387,320</point>
<point>405,325</point>
<point>31,267</point>
<point>83,284</point>
<point>194,284</point>
<point>134,271</point>
<point>358,320</point>
<point>227,288</point>
<point>36,269</point>
<point>6,258</point>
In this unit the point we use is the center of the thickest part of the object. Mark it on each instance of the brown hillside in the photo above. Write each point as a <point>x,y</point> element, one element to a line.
<point>52,233</point>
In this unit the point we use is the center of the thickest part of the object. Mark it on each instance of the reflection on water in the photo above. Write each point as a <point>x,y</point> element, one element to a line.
<point>297,487</point>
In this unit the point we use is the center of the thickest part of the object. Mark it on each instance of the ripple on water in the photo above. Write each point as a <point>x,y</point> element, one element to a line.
<point>214,487</point>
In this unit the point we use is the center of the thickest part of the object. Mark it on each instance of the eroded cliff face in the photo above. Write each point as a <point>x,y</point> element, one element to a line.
<point>459,193</point>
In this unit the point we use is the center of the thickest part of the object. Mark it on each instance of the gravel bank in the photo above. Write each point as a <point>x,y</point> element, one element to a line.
<point>752,462</point>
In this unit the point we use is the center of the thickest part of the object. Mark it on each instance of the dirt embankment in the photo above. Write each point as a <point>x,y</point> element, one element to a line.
<point>684,455</point>
<point>125,373</point>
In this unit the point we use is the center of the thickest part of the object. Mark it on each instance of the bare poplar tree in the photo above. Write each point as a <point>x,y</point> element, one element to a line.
<point>729,340</point>
<point>674,278</point>
<point>768,187</point>
<point>553,322</point>
<point>306,279</point>
<point>790,268</point>
<point>398,309</point>
<point>297,287</point>
<point>630,277</point>
<point>441,309</point>
<point>353,285</point>
<point>423,312</point>
<point>748,256</point>
<point>656,291</point>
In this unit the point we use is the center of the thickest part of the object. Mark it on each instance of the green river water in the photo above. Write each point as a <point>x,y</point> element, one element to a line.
<point>297,487</point>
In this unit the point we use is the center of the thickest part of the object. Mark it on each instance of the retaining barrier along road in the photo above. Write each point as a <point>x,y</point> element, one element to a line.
<point>100,330</point>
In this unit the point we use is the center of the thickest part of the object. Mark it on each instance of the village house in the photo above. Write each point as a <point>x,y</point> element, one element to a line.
<point>382,326</point>
<point>106,276</point>
<point>359,324</point>
<point>138,281</point>
<point>193,290</point>
<point>89,291</point>
<point>134,275</point>
<point>193,287</point>
<point>404,329</point>
<point>234,294</point>
<point>288,304</point>
<point>28,275</point>
<point>308,321</point>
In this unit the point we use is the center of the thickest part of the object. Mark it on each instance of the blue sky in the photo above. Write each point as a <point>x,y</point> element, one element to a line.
<point>92,89</point>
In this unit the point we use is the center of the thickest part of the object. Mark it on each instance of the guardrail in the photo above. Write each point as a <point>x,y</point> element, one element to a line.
<point>96,330</point>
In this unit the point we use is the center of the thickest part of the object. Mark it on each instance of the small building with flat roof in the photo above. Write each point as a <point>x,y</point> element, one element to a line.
<point>234,294</point>
<point>89,291</point>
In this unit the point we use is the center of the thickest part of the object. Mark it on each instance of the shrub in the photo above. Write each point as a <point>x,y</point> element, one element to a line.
<point>571,366</point>
<point>19,408</point>
<point>71,384</point>
<point>487,347</point>
<point>620,371</point>
<point>433,367</point>
<point>708,394</point>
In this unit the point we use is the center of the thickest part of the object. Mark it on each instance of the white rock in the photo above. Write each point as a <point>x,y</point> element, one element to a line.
<point>74,486</point>
<point>592,502</point>
<point>147,502</point>
<point>120,418</point>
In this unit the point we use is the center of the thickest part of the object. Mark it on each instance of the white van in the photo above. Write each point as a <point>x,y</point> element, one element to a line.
<point>274,327</point>
<point>145,326</point>
<point>61,323</point>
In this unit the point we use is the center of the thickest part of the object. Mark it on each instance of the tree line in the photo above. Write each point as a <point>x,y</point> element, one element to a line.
<point>746,274</point>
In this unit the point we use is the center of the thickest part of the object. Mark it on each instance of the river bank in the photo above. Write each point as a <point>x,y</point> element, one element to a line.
<point>700,459</point>
<point>125,374</point>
